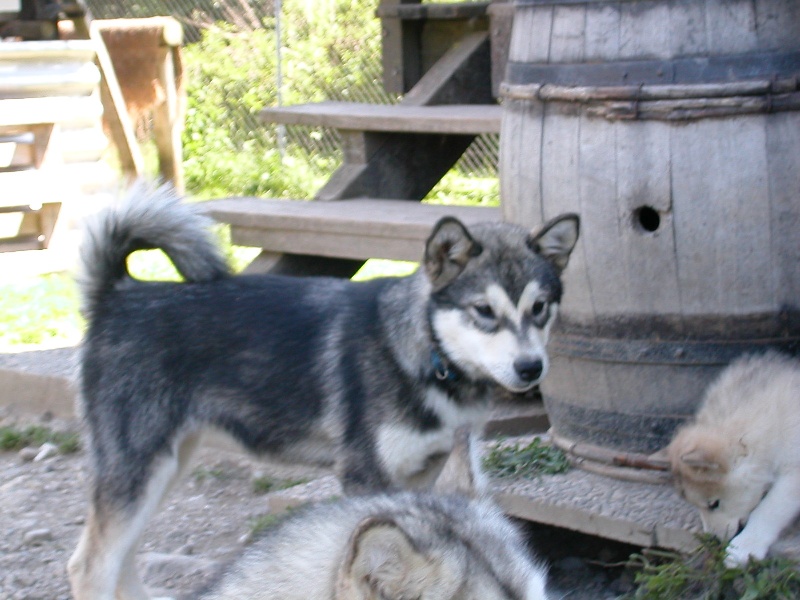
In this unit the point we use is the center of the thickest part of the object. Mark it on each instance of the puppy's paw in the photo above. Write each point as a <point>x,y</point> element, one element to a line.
<point>740,550</point>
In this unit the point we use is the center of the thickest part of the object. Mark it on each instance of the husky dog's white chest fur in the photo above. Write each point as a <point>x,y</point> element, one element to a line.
<point>406,451</point>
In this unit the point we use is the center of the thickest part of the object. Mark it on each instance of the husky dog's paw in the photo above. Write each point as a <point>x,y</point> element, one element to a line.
<point>740,550</point>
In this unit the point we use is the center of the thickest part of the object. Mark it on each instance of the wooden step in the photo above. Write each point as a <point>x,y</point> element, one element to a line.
<point>458,119</point>
<point>424,12</point>
<point>354,229</point>
<point>53,109</point>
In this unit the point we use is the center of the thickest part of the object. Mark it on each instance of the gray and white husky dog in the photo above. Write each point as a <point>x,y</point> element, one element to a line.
<point>371,377</point>
<point>453,544</point>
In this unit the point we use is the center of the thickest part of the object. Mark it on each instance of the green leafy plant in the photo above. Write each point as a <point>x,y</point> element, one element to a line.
<point>39,310</point>
<point>264,485</point>
<point>531,460</point>
<point>15,438</point>
<point>202,473</point>
<point>703,575</point>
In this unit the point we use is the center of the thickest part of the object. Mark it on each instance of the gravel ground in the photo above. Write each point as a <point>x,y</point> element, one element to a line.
<point>207,520</point>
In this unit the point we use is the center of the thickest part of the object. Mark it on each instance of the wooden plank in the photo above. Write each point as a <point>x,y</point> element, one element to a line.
<point>643,514</point>
<point>130,155</point>
<point>687,29</point>
<point>168,120</point>
<point>560,192</point>
<point>398,166</point>
<point>643,168</point>
<point>697,225</point>
<point>456,10</point>
<point>731,27</point>
<point>56,50</point>
<point>598,196</point>
<point>567,37</point>
<point>356,229</point>
<point>602,33</point>
<point>47,79</point>
<point>520,162</point>
<point>783,149</point>
<point>449,119</point>
<point>530,37</point>
<point>642,30</point>
<point>462,75</point>
<point>54,109</point>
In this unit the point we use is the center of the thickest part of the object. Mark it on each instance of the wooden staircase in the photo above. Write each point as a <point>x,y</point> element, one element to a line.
<point>440,57</point>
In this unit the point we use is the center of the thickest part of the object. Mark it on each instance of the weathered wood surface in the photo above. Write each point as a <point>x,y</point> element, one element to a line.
<point>130,156</point>
<point>688,230</point>
<point>416,36</point>
<point>456,10</point>
<point>397,118</point>
<point>352,229</point>
<point>52,164</point>
<point>53,109</point>
<point>461,76</point>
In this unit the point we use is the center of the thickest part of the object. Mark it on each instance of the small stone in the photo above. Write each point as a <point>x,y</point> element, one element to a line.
<point>246,539</point>
<point>27,454</point>
<point>37,536</point>
<point>47,450</point>
<point>186,550</point>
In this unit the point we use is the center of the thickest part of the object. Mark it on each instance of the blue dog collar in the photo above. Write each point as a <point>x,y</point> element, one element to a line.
<point>441,369</point>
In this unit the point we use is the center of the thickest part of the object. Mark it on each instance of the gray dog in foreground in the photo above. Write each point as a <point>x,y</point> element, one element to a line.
<point>372,377</point>
<point>453,544</point>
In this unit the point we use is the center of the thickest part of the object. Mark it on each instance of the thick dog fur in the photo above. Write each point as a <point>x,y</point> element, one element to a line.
<point>404,545</point>
<point>372,377</point>
<point>738,461</point>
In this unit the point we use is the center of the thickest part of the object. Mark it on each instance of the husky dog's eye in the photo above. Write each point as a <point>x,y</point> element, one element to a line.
<point>713,504</point>
<point>484,310</point>
<point>538,308</point>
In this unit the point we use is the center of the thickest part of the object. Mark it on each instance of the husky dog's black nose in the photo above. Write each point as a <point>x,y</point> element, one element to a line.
<point>528,369</point>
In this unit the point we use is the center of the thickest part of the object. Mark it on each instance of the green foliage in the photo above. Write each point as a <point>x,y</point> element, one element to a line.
<point>532,460</point>
<point>203,473</point>
<point>703,576</point>
<point>40,310</point>
<point>264,485</point>
<point>456,188</point>
<point>232,74</point>
<point>14,438</point>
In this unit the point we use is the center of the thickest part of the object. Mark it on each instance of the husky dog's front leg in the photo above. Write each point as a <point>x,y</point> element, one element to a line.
<point>773,514</point>
<point>359,471</point>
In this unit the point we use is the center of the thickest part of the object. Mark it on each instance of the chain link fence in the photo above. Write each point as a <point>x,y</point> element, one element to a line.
<point>347,67</point>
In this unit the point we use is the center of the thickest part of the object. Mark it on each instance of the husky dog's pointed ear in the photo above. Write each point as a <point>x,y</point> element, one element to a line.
<point>447,251</point>
<point>380,558</point>
<point>556,239</point>
<point>459,474</point>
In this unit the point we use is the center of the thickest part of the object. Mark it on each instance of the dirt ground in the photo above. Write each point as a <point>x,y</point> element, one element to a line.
<point>207,520</point>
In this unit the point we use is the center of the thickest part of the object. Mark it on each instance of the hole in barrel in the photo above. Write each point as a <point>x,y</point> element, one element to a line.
<point>647,218</point>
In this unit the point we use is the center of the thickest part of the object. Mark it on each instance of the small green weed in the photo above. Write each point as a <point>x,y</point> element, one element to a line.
<point>263,522</point>
<point>703,576</point>
<point>533,460</point>
<point>14,438</point>
<point>201,474</point>
<point>264,485</point>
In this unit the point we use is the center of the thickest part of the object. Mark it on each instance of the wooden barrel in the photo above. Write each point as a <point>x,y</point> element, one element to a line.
<point>672,128</point>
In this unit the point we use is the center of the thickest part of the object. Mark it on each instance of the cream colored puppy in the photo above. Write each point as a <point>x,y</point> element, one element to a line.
<point>738,461</point>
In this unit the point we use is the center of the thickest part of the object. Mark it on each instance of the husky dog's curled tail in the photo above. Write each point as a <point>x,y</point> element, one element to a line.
<point>146,217</point>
